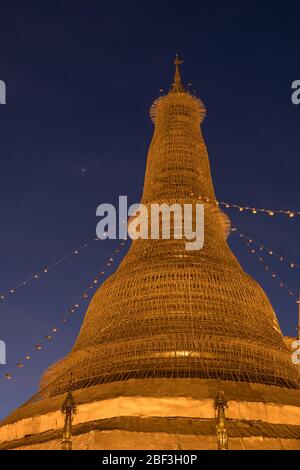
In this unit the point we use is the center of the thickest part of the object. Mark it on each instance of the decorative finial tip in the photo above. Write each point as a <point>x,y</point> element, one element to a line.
<point>178,61</point>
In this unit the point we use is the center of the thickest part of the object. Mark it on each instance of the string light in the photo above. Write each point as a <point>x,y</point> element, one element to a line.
<point>252,210</point>
<point>269,251</point>
<point>71,310</point>
<point>249,242</point>
<point>39,274</point>
<point>268,269</point>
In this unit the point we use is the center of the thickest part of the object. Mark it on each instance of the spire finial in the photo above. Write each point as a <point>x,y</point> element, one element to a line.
<point>178,61</point>
<point>220,405</point>
<point>177,85</point>
<point>68,409</point>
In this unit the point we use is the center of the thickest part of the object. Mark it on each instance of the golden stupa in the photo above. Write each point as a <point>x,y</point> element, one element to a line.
<point>168,329</point>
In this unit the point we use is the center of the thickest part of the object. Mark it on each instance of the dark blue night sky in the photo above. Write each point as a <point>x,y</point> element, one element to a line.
<point>81,76</point>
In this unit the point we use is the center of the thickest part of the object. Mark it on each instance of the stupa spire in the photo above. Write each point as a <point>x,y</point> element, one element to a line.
<point>177,85</point>
<point>168,311</point>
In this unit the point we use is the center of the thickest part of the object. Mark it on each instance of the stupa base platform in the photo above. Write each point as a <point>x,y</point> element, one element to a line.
<point>160,414</point>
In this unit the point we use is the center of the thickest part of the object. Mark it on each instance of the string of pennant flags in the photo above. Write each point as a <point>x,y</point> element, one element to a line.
<point>257,252</point>
<point>42,272</point>
<point>85,295</point>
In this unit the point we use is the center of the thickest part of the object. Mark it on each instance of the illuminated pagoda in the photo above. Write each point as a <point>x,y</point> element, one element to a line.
<point>168,328</point>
